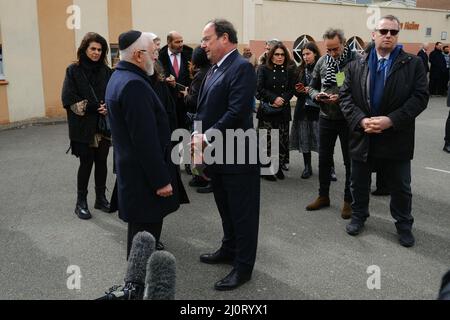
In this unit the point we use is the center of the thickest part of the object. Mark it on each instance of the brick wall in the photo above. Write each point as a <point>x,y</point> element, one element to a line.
<point>434,4</point>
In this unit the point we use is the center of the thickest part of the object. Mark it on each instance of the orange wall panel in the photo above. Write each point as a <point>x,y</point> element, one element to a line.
<point>57,51</point>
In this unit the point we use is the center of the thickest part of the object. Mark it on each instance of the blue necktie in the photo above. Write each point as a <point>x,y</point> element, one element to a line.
<point>380,79</point>
<point>382,64</point>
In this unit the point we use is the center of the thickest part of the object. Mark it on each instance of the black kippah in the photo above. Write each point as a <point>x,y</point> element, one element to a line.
<point>126,39</point>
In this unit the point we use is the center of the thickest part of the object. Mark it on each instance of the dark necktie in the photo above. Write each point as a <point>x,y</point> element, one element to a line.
<point>211,73</point>
<point>382,64</point>
<point>380,79</point>
<point>175,65</point>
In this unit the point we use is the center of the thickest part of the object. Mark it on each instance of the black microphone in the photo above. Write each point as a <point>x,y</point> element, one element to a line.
<point>161,276</point>
<point>141,249</point>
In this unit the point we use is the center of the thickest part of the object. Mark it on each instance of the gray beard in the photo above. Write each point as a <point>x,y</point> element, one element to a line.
<point>150,68</point>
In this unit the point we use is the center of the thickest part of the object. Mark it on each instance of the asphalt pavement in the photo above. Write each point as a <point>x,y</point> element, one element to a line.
<point>301,255</point>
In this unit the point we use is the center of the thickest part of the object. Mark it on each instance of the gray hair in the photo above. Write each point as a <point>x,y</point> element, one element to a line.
<point>140,44</point>
<point>332,33</point>
<point>391,18</point>
<point>272,42</point>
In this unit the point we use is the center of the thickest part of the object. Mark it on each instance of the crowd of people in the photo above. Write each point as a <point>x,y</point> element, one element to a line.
<point>369,101</point>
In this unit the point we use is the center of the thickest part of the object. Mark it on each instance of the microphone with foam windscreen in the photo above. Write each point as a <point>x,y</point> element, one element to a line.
<point>142,248</point>
<point>161,277</point>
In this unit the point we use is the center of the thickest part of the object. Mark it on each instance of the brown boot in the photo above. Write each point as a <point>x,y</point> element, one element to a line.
<point>321,202</point>
<point>346,211</point>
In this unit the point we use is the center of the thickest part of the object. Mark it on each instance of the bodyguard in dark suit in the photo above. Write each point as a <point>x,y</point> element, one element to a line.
<point>382,95</point>
<point>447,125</point>
<point>438,71</point>
<point>225,102</point>
<point>424,56</point>
<point>147,180</point>
<point>175,58</point>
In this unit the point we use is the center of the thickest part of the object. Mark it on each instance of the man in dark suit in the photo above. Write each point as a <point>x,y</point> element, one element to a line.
<point>147,180</point>
<point>175,58</point>
<point>225,103</point>
<point>447,124</point>
<point>424,56</point>
<point>438,71</point>
<point>382,95</point>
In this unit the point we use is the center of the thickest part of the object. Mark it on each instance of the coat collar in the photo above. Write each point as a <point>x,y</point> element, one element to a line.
<point>213,78</point>
<point>127,66</point>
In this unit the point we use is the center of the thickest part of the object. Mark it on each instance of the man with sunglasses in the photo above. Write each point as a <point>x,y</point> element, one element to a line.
<point>328,76</point>
<point>383,93</point>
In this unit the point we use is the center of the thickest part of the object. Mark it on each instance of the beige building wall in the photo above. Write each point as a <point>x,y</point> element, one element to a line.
<point>187,17</point>
<point>288,20</point>
<point>22,59</point>
<point>58,50</point>
<point>120,18</point>
<point>94,18</point>
<point>38,46</point>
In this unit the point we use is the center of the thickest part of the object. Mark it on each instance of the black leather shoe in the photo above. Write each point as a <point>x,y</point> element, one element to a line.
<point>198,182</point>
<point>280,174</point>
<point>232,281</point>
<point>83,213</point>
<point>217,257</point>
<point>159,246</point>
<point>101,203</point>
<point>204,190</point>
<point>380,192</point>
<point>81,208</point>
<point>307,173</point>
<point>354,228</point>
<point>406,238</point>
<point>269,178</point>
<point>447,148</point>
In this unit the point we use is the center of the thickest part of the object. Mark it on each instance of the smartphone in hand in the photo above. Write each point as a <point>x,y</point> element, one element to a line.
<point>180,87</point>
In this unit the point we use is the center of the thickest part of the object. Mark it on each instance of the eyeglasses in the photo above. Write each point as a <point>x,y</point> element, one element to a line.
<point>384,32</point>
<point>206,39</point>
<point>278,54</point>
<point>154,54</point>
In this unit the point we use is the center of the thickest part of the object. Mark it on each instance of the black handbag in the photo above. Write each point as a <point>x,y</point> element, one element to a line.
<point>103,126</point>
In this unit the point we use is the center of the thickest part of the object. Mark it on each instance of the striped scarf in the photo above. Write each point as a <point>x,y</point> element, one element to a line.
<point>334,66</point>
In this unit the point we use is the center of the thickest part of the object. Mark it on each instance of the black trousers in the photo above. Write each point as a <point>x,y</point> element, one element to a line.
<point>447,129</point>
<point>381,177</point>
<point>398,174</point>
<point>99,156</point>
<point>134,228</point>
<point>238,201</point>
<point>329,131</point>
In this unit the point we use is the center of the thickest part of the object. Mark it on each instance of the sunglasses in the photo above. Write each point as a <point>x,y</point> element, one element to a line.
<point>385,32</point>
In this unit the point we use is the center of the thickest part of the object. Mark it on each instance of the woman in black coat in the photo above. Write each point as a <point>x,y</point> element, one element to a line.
<point>305,128</point>
<point>275,87</point>
<point>83,97</point>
